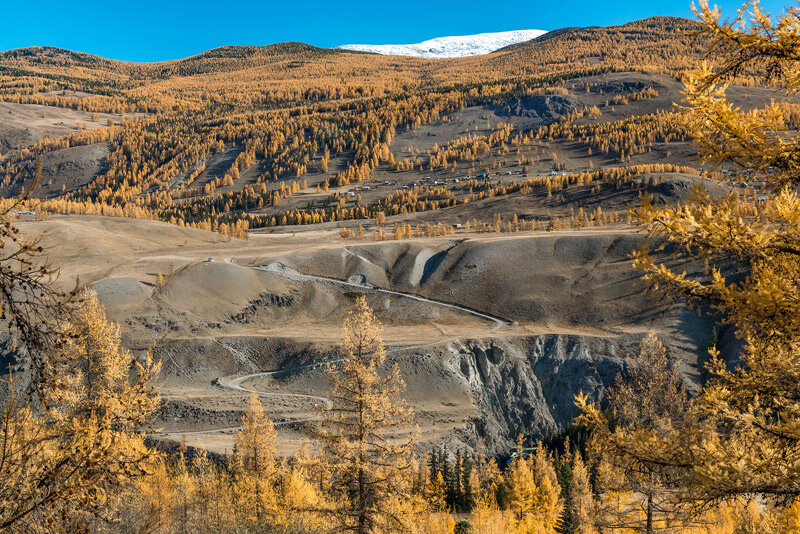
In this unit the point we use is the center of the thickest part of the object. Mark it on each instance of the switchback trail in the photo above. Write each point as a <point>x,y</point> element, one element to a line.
<point>235,382</point>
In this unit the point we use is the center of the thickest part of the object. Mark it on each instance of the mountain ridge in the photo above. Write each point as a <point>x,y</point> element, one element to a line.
<point>450,46</point>
<point>57,55</point>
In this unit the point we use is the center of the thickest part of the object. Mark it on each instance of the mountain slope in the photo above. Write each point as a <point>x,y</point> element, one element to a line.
<point>454,46</point>
<point>649,43</point>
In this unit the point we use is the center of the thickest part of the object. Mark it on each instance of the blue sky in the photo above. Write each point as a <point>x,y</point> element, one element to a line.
<point>148,30</point>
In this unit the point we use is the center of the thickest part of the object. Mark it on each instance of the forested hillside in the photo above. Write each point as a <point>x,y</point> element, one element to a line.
<point>223,139</point>
<point>285,289</point>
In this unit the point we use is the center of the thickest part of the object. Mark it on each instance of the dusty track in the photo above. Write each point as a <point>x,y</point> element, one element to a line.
<point>281,269</point>
<point>235,382</point>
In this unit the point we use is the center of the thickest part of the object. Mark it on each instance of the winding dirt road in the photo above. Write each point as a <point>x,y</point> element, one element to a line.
<point>287,272</point>
<point>234,383</point>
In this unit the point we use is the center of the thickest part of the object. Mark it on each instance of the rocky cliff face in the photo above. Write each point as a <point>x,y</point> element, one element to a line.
<point>529,384</point>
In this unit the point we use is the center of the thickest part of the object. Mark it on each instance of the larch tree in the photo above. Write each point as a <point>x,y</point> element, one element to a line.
<point>212,486</point>
<point>550,506</point>
<point>255,460</point>
<point>297,496</point>
<point>741,435</point>
<point>360,431</point>
<point>522,491</point>
<point>581,499</point>
<point>650,398</point>
<point>436,493</point>
<point>34,311</point>
<point>184,493</point>
<point>64,459</point>
<point>101,365</point>
<point>533,493</point>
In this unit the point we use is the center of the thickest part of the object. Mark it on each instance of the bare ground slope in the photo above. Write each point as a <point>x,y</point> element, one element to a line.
<point>574,302</point>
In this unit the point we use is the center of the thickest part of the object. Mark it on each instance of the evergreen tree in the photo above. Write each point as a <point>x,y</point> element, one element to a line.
<point>579,505</point>
<point>255,459</point>
<point>650,398</point>
<point>741,436</point>
<point>63,464</point>
<point>467,495</point>
<point>369,469</point>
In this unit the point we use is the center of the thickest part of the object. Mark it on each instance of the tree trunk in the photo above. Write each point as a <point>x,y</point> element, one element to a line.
<point>362,523</point>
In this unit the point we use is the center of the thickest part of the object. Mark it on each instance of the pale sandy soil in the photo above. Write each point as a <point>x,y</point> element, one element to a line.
<point>224,318</point>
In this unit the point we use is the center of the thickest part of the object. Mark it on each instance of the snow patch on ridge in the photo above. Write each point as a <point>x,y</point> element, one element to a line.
<point>455,46</point>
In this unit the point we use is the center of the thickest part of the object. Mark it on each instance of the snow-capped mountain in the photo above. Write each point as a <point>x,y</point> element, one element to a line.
<point>455,46</point>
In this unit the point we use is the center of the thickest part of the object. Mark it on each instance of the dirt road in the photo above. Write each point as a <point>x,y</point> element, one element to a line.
<point>234,383</point>
<point>281,269</point>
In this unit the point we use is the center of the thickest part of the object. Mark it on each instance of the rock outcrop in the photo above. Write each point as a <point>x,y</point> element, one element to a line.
<point>530,384</point>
